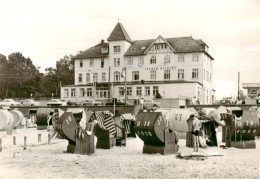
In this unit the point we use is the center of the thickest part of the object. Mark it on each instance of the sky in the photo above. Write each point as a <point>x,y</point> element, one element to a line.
<point>46,31</point>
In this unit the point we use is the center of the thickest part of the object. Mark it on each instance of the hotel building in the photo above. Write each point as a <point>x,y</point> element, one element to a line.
<point>172,67</point>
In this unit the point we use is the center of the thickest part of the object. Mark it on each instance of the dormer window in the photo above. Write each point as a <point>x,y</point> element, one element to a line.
<point>104,50</point>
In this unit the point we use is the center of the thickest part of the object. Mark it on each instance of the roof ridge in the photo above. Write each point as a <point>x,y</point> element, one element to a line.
<point>121,28</point>
<point>164,38</point>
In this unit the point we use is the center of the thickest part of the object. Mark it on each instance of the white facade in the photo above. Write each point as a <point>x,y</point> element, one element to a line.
<point>160,69</point>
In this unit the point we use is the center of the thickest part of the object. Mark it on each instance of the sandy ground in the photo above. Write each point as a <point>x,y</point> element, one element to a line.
<point>40,160</point>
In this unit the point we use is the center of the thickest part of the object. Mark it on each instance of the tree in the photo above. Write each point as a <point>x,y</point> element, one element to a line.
<point>63,74</point>
<point>3,81</point>
<point>20,77</point>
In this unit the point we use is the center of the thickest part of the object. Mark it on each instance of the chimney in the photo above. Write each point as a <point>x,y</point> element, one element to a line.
<point>102,41</point>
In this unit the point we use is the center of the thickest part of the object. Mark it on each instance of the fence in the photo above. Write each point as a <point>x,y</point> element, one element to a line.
<point>25,140</point>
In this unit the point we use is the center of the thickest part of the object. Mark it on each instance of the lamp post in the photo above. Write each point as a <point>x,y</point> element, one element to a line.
<point>94,87</point>
<point>124,69</point>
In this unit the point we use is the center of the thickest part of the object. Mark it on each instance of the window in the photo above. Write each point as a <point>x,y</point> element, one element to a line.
<point>204,74</point>
<point>167,74</point>
<point>181,58</point>
<point>121,91</point>
<point>116,76</point>
<point>160,46</point>
<point>139,91</point>
<point>95,77</point>
<point>147,90</point>
<point>89,92</point>
<point>129,61</point>
<point>104,50</point>
<point>116,62</point>
<point>87,77</point>
<point>66,93</point>
<point>102,92</point>
<point>153,60</point>
<point>91,62</point>
<point>141,60</point>
<point>167,59</point>
<point>73,92</point>
<point>153,74</point>
<point>129,91</point>
<point>81,92</point>
<point>155,90</point>
<point>195,73</point>
<point>117,49</point>
<point>209,77</point>
<point>80,77</point>
<point>81,63</point>
<point>135,75</point>
<point>103,76</point>
<point>195,57</point>
<point>180,74</point>
<point>102,63</point>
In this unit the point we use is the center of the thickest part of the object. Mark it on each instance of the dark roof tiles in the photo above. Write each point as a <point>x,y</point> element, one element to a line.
<point>180,45</point>
<point>119,33</point>
<point>138,47</point>
<point>94,52</point>
<point>199,41</point>
<point>185,44</point>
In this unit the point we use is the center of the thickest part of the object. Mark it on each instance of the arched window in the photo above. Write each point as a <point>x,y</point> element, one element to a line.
<point>167,59</point>
<point>116,76</point>
<point>153,60</point>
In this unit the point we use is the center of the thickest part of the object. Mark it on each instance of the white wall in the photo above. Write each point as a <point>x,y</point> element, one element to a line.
<point>123,47</point>
<point>188,65</point>
<point>95,69</point>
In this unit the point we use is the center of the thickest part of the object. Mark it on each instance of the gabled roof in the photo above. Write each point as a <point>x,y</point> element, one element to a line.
<point>180,45</point>
<point>140,47</point>
<point>164,40</point>
<point>119,33</point>
<point>94,52</point>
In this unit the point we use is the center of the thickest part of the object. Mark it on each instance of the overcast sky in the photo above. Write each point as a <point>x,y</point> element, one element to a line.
<point>47,30</point>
